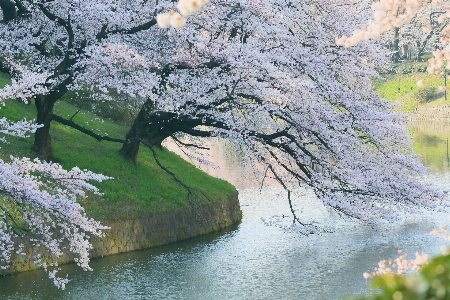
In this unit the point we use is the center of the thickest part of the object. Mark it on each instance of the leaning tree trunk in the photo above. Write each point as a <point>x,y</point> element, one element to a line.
<point>144,129</point>
<point>150,127</point>
<point>130,148</point>
<point>9,10</point>
<point>42,139</point>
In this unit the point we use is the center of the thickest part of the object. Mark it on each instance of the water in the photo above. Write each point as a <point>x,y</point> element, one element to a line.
<point>432,142</point>
<point>251,260</point>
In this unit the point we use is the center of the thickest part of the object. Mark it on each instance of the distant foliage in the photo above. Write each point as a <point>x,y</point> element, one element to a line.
<point>410,67</point>
<point>426,94</point>
<point>390,14</point>
<point>122,110</point>
<point>432,282</point>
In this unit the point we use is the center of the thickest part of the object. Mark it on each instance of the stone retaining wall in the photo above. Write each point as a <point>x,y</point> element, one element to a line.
<point>431,113</point>
<point>144,233</point>
<point>431,127</point>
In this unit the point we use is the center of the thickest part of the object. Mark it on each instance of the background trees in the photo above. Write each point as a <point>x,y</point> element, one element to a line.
<point>389,14</point>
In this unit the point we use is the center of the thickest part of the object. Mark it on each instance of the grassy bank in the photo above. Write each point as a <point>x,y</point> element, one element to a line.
<point>137,190</point>
<point>403,90</point>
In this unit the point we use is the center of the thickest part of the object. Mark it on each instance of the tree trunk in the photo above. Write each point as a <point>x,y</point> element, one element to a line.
<point>9,10</point>
<point>152,127</point>
<point>405,51</point>
<point>141,130</point>
<point>42,139</point>
<point>396,53</point>
<point>149,127</point>
<point>131,148</point>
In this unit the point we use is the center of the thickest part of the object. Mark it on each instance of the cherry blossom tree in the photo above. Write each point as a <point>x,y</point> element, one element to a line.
<point>39,202</point>
<point>290,99</point>
<point>266,75</point>
<point>67,44</point>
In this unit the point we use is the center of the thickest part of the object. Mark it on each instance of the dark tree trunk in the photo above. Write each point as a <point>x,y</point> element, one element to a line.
<point>130,149</point>
<point>396,54</point>
<point>150,127</point>
<point>137,131</point>
<point>42,139</point>
<point>9,10</point>
<point>142,130</point>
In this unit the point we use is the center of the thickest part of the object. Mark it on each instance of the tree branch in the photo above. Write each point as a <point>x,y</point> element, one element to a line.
<point>86,131</point>
<point>104,33</point>
<point>188,145</point>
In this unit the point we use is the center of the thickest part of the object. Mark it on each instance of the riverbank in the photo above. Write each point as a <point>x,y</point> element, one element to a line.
<point>131,235</point>
<point>436,113</point>
<point>419,104</point>
<point>143,203</point>
<point>402,89</point>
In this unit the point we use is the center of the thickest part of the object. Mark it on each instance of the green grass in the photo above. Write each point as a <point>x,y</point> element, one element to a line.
<point>137,190</point>
<point>4,79</point>
<point>402,89</point>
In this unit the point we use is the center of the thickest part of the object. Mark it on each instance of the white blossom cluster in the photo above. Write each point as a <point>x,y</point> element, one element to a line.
<point>399,265</point>
<point>402,265</point>
<point>27,84</point>
<point>19,129</point>
<point>43,196</point>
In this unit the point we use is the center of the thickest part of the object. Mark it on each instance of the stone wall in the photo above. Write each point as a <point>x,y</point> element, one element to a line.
<point>149,232</point>
<point>431,113</point>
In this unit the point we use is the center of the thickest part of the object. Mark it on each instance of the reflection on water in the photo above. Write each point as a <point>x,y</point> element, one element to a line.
<point>250,261</point>
<point>431,141</point>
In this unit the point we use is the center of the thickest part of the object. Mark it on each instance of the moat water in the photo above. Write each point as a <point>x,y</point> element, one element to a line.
<point>254,260</point>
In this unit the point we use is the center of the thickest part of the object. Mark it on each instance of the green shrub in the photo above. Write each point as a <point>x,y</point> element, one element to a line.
<point>432,282</point>
<point>410,67</point>
<point>425,94</point>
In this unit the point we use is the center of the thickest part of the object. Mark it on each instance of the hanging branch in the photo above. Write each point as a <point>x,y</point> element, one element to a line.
<point>165,169</point>
<point>81,107</point>
<point>295,218</point>
<point>98,137</point>
<point>188,145</point>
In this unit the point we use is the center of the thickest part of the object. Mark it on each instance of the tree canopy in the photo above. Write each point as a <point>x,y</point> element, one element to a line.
<point>266,75</point>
